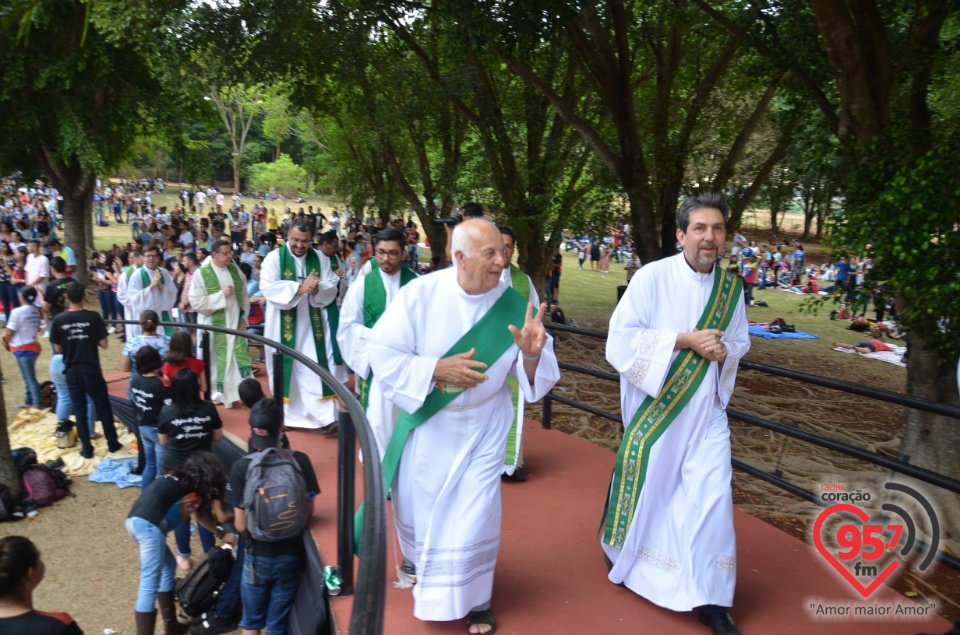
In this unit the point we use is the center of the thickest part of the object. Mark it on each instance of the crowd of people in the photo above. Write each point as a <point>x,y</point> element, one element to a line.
<point>442,364</point>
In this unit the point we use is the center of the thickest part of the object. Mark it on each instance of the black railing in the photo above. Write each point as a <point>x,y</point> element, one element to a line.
<point>899,465</point>
<point>369,590</point>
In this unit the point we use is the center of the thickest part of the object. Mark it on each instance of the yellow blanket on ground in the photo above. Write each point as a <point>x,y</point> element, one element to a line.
<point>35,429</point>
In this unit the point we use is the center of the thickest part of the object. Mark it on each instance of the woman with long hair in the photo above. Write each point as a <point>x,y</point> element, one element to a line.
<point>8,292</point>
<point>192,489</point>
<point>180,355</point>
<point>187,426</point>
<point>22,571</point>
<point>104,274</point>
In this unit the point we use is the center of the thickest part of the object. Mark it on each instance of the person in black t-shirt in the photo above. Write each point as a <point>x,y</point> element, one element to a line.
<point>149,391</point>
<point>186,426</point>
<point>191,489</point>
<point>54,298</point>
<point>21,571</point>
<point>271,569</point>
<point>76,333</point>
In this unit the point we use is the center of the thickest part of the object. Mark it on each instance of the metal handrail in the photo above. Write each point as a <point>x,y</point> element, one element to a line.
<point>936,479</point>
<point>368,608</point>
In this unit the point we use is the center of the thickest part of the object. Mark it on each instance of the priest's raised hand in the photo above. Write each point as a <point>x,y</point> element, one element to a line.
<point>531,338</point>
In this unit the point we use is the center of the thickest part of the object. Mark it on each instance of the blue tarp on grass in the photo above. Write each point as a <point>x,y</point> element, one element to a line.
<point>758,331</point>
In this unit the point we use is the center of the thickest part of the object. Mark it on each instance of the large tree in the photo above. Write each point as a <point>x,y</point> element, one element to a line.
<point>73,96</point>
<point>881,74</point>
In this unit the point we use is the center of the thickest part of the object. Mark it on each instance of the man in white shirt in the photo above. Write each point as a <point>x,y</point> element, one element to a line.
<point>201,198</point>
<point>37,267</point>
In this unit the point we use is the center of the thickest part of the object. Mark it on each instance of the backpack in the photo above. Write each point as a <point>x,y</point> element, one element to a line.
<point>44,484</point>
<point>24,457</point>
<point>199,591</point>
<point>48,395</point>
<point>557,316</point>
<point>275,497</point>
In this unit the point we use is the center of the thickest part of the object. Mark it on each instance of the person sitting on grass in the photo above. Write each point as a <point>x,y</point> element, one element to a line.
<point>864,348</point>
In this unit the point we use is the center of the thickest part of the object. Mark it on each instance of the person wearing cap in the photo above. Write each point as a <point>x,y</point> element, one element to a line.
<point>149,389</point>
<point>69,257</point>
<point>271,569</point>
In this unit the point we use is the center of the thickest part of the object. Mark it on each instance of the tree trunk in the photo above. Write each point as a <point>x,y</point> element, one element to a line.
<point>644,229</point>
<point>76,187</point>
<point>8,471</point>
<point>824,213</point>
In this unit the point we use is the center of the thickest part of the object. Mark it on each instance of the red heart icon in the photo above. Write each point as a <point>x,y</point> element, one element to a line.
<point>832,559</point>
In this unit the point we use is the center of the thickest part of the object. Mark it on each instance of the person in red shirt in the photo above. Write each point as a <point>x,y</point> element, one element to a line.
<point>181,356</point>
<point>873,346</point>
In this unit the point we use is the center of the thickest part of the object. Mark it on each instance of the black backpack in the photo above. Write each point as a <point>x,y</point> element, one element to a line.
<point>557,316</point>
<point>7,503</point>
<point>200,590</point>
<point>23,457</point>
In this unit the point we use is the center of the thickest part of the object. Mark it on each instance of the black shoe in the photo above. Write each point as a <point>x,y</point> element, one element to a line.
<point>116,446</point>
<point>517,477</point>
<point>17,512</point>
<point>87,454</point>
<point>720,623</point>
<point>332,430</point>
<point>29,507</point>
<point>214,626</point>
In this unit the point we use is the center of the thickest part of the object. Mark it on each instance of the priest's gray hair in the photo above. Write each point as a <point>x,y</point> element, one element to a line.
<point>704,200</point>
<point>464,234</point>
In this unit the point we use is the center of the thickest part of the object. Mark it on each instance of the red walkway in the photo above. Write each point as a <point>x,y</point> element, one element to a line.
<point>550,574</point>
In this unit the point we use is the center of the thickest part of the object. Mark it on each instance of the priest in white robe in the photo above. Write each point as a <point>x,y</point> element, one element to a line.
<point>359,313</point>
<point>513,277</point>
<point>152,287</point>
<point>668,528</point>
<point>426,350</point>
<point>218,293</point>
<point>297,283</point>
<point>123,285</point>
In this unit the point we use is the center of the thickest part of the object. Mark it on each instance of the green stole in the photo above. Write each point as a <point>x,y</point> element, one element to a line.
<point>655,415</point>
<point>333,314</point>
<point>491,338</point>
<point>164,315</point>
<point>288,320</point>
<point>374,304</point>
<point>219,318</point>
<point>521,284</point>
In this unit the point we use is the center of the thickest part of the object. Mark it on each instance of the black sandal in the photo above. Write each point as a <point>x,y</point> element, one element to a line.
<point>476,618</point>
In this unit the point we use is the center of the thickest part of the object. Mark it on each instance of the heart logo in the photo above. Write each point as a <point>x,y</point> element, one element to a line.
<point>832,559</point>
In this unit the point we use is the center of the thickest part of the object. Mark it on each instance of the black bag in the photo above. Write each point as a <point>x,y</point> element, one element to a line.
<point>6,504</point>
<point>557,316</point>
<point>200,590</point>
<point>23,457</point>
<point>48,395</point>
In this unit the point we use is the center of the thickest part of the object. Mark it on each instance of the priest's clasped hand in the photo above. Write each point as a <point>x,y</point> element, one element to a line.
<point>533,337</point>
<point>309,285</point>
<point>459,370</point>
<point>706,343</point>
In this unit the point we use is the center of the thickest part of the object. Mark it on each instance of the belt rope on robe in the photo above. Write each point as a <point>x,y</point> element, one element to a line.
<point>219,318</point>
<point>521,284</point>
<point>655,415</point>
<point>374,304</point>
<point>288,321</point>
<point>333,315</point>
<point>164,315</point>
<point>491,338</point>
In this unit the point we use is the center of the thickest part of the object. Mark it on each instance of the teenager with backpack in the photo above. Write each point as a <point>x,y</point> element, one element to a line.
<point>274,559</point>
<point>191,489</point>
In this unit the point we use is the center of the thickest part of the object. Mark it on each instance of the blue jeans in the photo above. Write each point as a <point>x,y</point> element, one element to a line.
<point>182,535</point>
<point>28,370</point>
<point>230,593</point>
<point>9,297</point>
<point>153,454</point>
<point>268,588</point>
<point>157,566</point>
<point>64,405</point>
<point>108,303</point>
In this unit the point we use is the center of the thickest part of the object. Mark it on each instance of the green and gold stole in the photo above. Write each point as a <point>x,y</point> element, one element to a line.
<point>219,318</point>
<point>521,284</point>
<point>333,314</point>
<point>288,320</point>
<point>655,415</point>
<point>164,315</point>
<point>374,304</point>
<point>491,338</point>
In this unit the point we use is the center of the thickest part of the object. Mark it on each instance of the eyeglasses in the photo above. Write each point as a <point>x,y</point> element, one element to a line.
<point>224,253</point>
<point>151,255</point>
<point>391,254</point>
